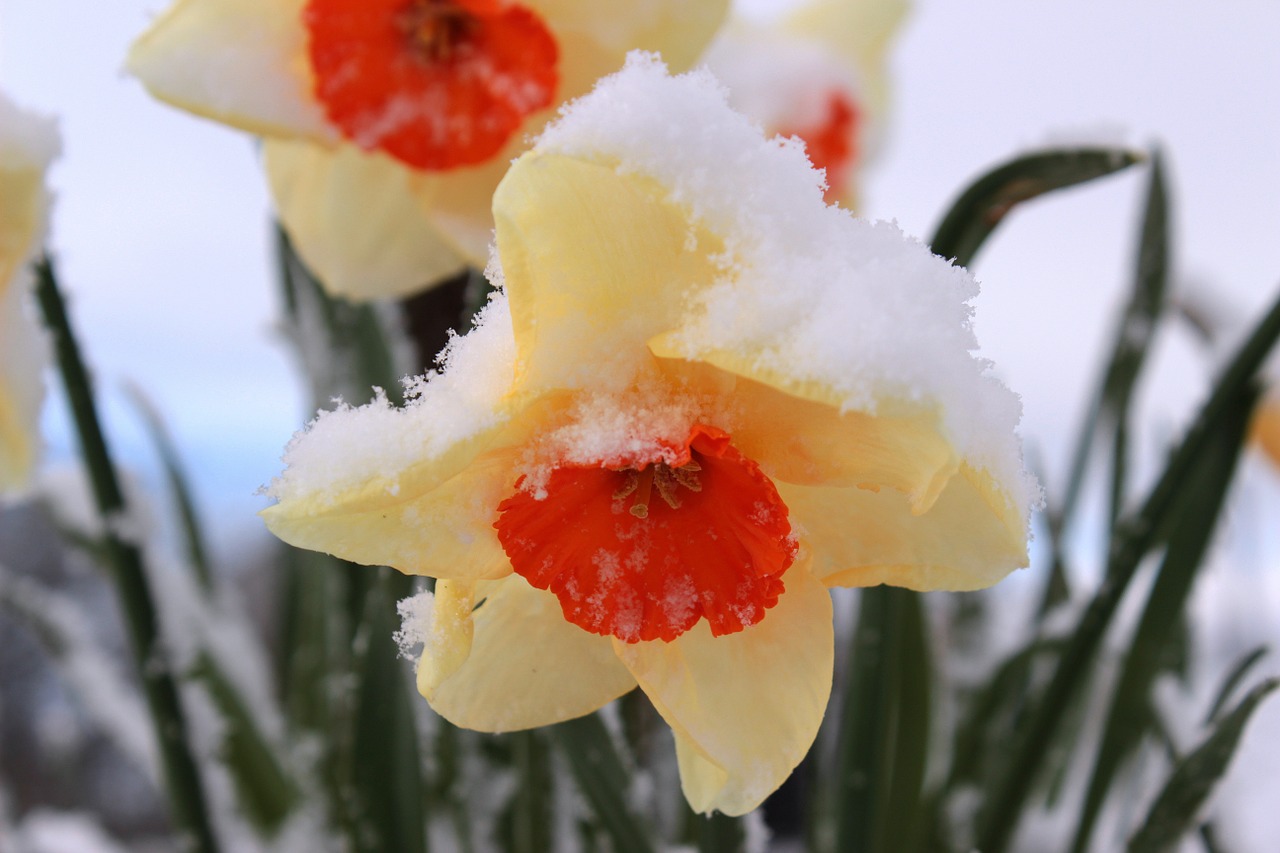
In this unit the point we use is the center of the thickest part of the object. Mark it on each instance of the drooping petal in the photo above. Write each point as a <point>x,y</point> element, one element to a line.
<point>241,62</point>
<point>745,707</point>
<point>354,220</point>
<point>586,248</point>
<point>970,537</point>
<point>447,645</point>
<point>527,667</point>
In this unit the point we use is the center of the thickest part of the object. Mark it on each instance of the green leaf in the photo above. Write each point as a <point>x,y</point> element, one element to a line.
<point>170,460</point>
<point>531,808</point>
<point>183,784</point>
<point>884,728</point>
<point>1109,410</point>
<point>1132,539</point>
<point>351,338</point>
<point>987,201</point>
<point>719,833</point>
<point>1232,680</point>
<point>1193,520</point>
<point>602,780</point>
<point>1175,809</point>
<point>385,767</point>
<point>265,792</point>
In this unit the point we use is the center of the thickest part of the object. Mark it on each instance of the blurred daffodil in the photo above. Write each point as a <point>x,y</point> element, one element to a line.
<point>27,144</point>
<point>1265,430</point>
<point>817,74</point>
<point>388,123</point>
<point>702,397</point>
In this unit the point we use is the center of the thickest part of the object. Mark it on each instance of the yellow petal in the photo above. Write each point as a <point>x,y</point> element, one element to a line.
<point>354,220</point>
<point>805,442</point>
<point>578,240</point>
<point>448,643</point>
<point>434,518</point>
<point>459,202</point>
<point>528,667</point>
<point>17,445</point>
<point>22,219</point>
<point>241,62</point>
<point>971,536</point>
<point>744,707</point>
<point>595,37</point>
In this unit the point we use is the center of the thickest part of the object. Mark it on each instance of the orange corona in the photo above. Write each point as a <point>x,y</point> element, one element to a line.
<point>437,84</point>
<point>646,551</point>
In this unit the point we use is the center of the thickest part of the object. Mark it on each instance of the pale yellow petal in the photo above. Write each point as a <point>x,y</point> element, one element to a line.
<point>355,221</point>
<point>17,446</point>
<point>595,37</point>
<point>744,707</point>
<point>241,62</point>
<point>970,538</point>
<point>805,442</point>
<point>22,217</point>
<point>528,667</point>
<point>459,202</point>
<point>448,643</point>
<point>434,518</point>
<point>578,240</point>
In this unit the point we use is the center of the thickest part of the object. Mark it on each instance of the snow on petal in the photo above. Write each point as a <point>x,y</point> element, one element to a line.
<point>810,299</point>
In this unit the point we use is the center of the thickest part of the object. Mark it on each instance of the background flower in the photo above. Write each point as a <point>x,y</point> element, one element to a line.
<point>649,299</point>
<point>372,218</point>
<point>818,73</point>
<point>28,143</point>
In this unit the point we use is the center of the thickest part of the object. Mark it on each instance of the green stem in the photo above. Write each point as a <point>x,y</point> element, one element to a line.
<point>182,778</point>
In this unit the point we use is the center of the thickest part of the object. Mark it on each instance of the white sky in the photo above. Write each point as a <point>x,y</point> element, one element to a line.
<point>161,219</point>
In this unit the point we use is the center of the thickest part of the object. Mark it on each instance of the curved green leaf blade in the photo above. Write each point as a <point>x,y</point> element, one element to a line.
<point>987,201</point>
<point>602,779</point>
<point>1175,809</point>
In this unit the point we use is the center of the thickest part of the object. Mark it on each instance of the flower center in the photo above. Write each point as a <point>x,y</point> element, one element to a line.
<point>437,84</point>
<point>645,552</point>
<point>832,141</point>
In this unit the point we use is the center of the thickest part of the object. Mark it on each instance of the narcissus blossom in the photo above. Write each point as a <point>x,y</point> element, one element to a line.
<point>701,398</point>
<point>817,74</point>
<point>388,123</point>
<point>27,144</point>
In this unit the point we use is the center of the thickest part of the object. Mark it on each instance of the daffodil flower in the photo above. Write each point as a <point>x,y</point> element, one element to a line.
<point>27,144</point>
<point>701,398</point>
<point>388,123</point>
<point>817,74</point>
